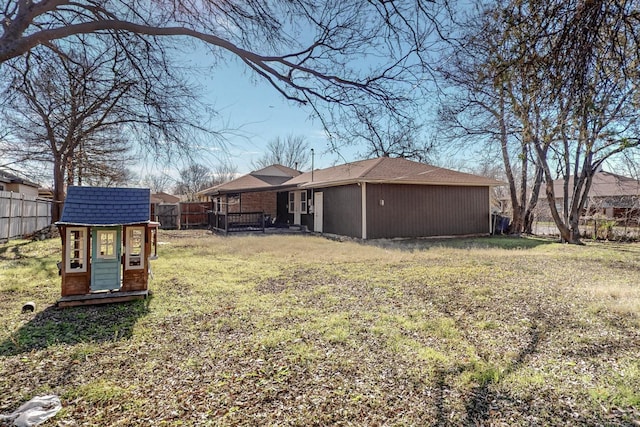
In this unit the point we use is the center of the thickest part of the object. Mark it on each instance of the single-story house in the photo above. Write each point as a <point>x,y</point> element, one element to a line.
<point>258,196</point>
<point>107,243</point>
<point>16,184</point>
<point>614,196</point>
<point>393,197</point>
<point>384,198</point>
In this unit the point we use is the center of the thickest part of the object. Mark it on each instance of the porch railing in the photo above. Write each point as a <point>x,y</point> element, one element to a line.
<point>237,221</point>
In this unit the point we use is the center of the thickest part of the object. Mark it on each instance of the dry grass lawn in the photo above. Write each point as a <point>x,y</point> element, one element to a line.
<point>301,330</point>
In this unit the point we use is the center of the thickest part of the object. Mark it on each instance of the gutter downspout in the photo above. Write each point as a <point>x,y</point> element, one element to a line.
<point>491,225</point>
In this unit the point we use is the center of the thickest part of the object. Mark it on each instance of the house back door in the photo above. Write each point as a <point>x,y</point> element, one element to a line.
<point>105,259</point>
<point>317,212</point>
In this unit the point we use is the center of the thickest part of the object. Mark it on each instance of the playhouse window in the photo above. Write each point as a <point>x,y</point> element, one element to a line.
<point>77,250</point>
<point>106,244</point>
<point>135,248</point>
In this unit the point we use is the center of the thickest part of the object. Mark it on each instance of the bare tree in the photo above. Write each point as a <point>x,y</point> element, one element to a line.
<point>83,110</point>
<point>562,76</point>
<point>293,151</point>
<point>385,135</point>
<point>589,53</point>
<point>157,182</point>
<point>323,53</point>
<point>480,110</point>
<point>223,171</point>
<point>194,178</point>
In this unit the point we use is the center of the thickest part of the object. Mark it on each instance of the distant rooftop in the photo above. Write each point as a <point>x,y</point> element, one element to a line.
<point>269,178</point>
<point>604,184</point>
<point>10,178</point>
<point>163,197</point>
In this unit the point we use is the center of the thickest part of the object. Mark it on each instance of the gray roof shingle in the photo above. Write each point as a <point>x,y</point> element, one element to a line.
<point>105,206</point>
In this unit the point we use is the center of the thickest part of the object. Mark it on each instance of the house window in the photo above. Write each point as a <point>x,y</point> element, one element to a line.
<point>298,202</point>
<point>303,202</point>
<point>292,202</point>
<point>134,251</point>
<point>1,187</point>
<point>106,244</point>
<point>76,250</point>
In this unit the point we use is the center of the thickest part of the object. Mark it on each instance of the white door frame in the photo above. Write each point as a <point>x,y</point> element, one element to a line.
<point>297,206</point>
<point>318,208</point>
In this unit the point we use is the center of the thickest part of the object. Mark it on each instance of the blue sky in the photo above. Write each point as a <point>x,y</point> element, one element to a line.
<point>259,114</point>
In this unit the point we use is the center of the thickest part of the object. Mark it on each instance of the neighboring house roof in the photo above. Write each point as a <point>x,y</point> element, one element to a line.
<point>105,206</point>
<point>389,170</point>
<point>163,197</point>
<point>10,178</point>
<point>45,193</point>
<point>274,177</point>
<point>604,184</point>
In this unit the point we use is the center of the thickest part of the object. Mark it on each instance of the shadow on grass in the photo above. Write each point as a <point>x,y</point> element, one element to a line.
<point>16,251</point>
<point>481,397</point>
<point>11,248</point>
<point>98,323</point>
<point>491,242</point>
<point>479,406</point>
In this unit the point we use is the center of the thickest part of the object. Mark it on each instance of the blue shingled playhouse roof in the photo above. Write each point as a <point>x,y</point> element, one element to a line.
<point>105,206</point>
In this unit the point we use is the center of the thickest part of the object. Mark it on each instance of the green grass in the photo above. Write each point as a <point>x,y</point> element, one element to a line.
<point>300,330</point>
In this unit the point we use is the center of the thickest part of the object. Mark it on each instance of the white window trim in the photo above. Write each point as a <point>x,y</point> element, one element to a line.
<point>83,250</point>
<point>297,202</point>
<point>304,202</point>
<point>292,202</point>
<point>128,248</point>
<point>114,255</point>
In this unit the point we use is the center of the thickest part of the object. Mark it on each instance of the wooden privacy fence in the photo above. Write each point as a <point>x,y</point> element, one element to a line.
<point>194,214</point>
<point>21,215</point>
<point>181,215</point>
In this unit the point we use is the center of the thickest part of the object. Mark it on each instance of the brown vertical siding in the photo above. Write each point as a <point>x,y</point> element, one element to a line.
<point>426,210</point>
<point>343,210</point>
<point>194,214</point>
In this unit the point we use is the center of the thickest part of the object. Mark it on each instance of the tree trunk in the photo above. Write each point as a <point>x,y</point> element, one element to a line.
<point>566,235</point>
<point>533,201</point>
<point>516,225</point>
<point>58,190</point>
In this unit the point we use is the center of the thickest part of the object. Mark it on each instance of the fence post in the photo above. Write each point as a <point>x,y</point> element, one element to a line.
<point>21,215</point>
<point>37,210</point>
<point>10,215</point>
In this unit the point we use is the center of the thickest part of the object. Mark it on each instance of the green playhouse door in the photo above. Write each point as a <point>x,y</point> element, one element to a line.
<point>105,259</point>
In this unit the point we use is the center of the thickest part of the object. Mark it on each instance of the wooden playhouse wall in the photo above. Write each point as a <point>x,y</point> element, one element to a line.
<point>80,283</point>
<point>73,283</point>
